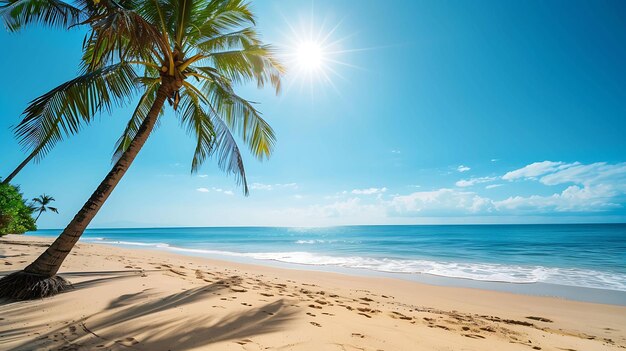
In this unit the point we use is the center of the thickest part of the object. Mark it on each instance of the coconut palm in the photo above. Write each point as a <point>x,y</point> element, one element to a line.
<point>42,203</point>
<point>189,53</point>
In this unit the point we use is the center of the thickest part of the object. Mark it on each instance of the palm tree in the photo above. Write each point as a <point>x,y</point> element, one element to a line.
<point>41,204</point>
<point>189,53</point>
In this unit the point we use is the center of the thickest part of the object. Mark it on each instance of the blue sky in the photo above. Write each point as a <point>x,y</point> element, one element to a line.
<point>434,112</point>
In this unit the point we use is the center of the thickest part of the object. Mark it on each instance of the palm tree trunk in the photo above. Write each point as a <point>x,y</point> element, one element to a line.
<point>38,279</point>
<point>40,211</point>
<point>17,170</point>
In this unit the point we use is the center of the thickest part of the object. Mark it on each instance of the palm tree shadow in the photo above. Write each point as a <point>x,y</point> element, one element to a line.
<point>269,318</point>
<point>129,317</point>
<point>99,277</point>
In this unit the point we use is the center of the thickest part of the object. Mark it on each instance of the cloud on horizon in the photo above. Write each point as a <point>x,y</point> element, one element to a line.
<point>584,189</point>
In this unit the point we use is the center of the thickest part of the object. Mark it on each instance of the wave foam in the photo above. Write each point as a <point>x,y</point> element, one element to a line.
<point>474,271</point>
<point>320,241</point>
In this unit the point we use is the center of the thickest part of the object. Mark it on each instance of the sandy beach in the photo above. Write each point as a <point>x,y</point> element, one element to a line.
<point>127,299</point>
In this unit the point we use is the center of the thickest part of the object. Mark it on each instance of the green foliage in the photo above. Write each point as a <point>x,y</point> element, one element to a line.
<point>206,46</point>
<point>15,214</point>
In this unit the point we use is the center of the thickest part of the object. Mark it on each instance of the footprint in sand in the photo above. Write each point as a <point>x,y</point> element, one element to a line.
<point>315,324</point>
<point>244,341</point>
<point>127,341</point>
<point>474,336</point>
<point>540,319</point>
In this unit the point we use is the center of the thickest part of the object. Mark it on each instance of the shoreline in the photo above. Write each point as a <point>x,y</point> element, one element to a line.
<point>315,309</point>
<point>570,292</point>
<point>540,289</point>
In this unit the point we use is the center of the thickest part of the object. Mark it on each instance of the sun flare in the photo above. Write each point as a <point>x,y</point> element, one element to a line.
<point>313,55</point>
<point>309,55</point>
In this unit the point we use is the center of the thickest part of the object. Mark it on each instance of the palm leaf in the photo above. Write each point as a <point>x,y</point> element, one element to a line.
<point>214,137</point>
<point>224,41</point>
<point>54,13</point>
<point>252,63</point>
<point>62,111</point>
<point>239,114</point>
<point>198,124</point>
<point>228,155</point>
<point>140,113</point>
<point>221,16</point>
<point>120,33</point>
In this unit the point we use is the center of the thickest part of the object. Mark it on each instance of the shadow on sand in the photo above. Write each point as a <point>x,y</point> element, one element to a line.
<point>143,314</point>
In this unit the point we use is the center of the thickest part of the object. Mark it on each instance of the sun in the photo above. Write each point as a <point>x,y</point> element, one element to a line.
<point>313,54</point>
<point>309,55</point>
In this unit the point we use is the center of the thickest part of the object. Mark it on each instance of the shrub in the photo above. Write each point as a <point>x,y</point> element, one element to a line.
<point>15,214</point>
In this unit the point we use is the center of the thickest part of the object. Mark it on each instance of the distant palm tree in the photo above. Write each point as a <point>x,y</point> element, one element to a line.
<point>40,204</point>
<point>187,52</point>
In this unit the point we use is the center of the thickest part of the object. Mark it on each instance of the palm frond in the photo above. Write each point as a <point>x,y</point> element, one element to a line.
<point>228,155</point>
<point>120,34</point>
<point>214,136</point>
<point>55,13</point>
<point>225,41</point>
<point>198,123</point>
<point>239,114</point>
<point>252,63</point>
<point>140,113</point>
<point>220,16</point>
<point>66,108</point>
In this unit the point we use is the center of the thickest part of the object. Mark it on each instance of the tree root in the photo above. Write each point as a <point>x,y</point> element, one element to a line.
<point>27,286</point>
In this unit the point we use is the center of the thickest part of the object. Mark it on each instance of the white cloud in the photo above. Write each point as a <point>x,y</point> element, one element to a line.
<point>559,190</point>
<point>592,188</point>
<point>586,174</point>
<point>368,191</point>
<point>534,170</point>
<point>473,181</point>
<point>462,168</point>
<point>595,187</point>
<point>217,190</point>
<point>269,187</point>
<point>441,201</point>
<point>202,175</point>
<point>572,199</point>
<point>261,186</point>
<point>492,186</point>
<point>396,151</point>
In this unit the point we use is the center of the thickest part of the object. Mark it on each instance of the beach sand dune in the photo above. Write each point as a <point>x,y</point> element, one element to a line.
<point>148,300</point>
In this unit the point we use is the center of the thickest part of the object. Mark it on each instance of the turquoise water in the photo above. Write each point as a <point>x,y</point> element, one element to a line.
<point>582,255</point>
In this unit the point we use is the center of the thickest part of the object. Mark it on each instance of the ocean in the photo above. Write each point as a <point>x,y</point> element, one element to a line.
<point>576,255</point>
